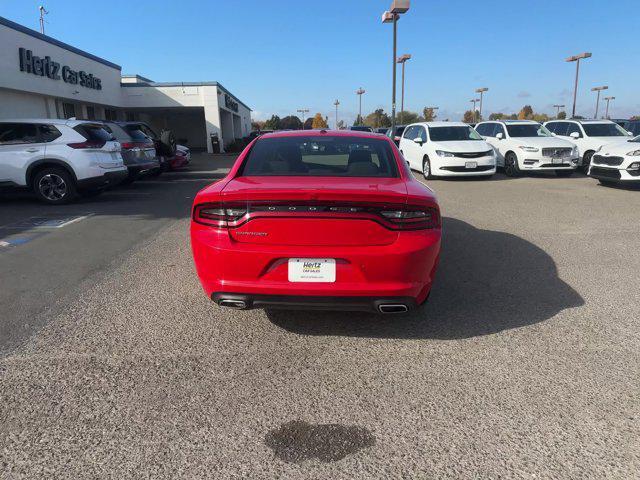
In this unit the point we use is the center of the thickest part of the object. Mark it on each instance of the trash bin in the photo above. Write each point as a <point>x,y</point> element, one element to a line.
<point>215,143</point>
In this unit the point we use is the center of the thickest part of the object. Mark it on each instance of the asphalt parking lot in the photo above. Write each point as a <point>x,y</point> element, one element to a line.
<point>524,363</point>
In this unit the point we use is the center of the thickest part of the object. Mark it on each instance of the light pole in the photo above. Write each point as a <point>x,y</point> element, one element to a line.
<point>303,111</point>
<point>403,59</point>
<point>558,107</point>
<point>577,58</point>
<point>598,89</point>
<point>360,92</point>
<point>398,7</point>
<point>43,12</point>
<point>474,100</point>
<point>336,103</point>
<point>608,99</point>
<point>481,92</point>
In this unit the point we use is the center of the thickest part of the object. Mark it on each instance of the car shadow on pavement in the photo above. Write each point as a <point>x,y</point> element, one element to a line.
<point>487,282</point>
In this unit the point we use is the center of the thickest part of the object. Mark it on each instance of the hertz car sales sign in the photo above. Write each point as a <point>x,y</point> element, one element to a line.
<point>45,67</point>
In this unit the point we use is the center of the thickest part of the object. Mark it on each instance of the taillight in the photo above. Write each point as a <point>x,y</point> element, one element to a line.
<point>409,218</point>
<point>87,144</point>
<point>217,215</point>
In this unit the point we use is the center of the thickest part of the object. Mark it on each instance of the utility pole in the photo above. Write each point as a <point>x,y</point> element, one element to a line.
<point>336,103</point>
<point>558,107</point>
<point>303,111</point>
<point>43,12</point>
<point>576,58</point>
<point>360,92</point>
<point>402,60</point>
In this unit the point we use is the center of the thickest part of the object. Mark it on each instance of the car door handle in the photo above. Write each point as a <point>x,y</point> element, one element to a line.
<point>32,150</point>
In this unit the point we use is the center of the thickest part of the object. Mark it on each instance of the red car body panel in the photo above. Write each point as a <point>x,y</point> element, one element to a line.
<point>372,259</point>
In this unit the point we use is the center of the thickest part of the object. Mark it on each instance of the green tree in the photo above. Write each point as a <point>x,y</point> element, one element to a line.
<point>470,116</point>
<point>497,116</point>
<point>273,123</point>
<point>257,125</point>
<point>540,117</point>
<point>428,114</point>
<point>308,124</point>
<point>377,119</point>
<point>408,117</point>
<point>319,122</point>
<point>291,122</point>
<point>526,113</point>
<point>562,115</point>
<point>358,120</point>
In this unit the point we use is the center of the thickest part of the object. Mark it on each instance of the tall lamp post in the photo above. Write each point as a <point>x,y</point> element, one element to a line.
<point>598,89</point>
<point>398,7</point>
<point>402,60</point>
<point>336,103</point>
<point>360,92</point>
<point>608,99</point>
<point>474,100</point>
<point>303,111</point>
<point>577,58</point>
<point>558,107</point>
<point>481,92</point>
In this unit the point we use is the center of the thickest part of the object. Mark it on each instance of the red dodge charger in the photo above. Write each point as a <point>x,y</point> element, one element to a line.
<point>322,219</point>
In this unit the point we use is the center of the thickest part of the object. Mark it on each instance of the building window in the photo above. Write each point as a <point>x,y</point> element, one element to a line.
<point>68,110</point>
<point>110,114</point>
<point>91,113</point>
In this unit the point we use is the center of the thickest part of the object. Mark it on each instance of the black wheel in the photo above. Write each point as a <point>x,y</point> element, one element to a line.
<point>426,169</point>
<point>564,173</point>
<point>511,167</point>
<point>54,186</point>
<point>586,161</point>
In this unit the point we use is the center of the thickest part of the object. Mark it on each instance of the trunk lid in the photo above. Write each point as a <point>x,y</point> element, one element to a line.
<point>315,211</point>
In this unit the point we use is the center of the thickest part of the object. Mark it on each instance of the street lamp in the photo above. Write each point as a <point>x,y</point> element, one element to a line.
<point>577,58</point>
<point>360,92</point>
<point>398,7</point>
<point>558,107</point>
<point>303,111</point>
<point>336,103</point>
<point>474,100</point>
<point>598,89</point>
<point>608,99</point>
<point>403,59</point>
<point>481,92</point>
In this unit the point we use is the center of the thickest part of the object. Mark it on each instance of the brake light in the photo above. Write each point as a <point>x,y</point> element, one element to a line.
<point>393,217</point>
<point>87,144</point>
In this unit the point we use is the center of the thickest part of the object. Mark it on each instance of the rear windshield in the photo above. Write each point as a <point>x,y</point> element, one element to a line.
<point>93,132</point>
<point>135,133</point>
<point>321,156</point>
<point>449,134</point>
<point>603,130</point>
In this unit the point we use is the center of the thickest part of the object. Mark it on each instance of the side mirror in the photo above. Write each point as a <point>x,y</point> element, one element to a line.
<point>574,135</point>
<point>418,140</point>
<point>499,136</point>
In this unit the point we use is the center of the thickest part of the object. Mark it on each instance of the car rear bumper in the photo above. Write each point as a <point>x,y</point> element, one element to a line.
<point>108,179</point>
<point>402,269</point>
<point>301,302</point>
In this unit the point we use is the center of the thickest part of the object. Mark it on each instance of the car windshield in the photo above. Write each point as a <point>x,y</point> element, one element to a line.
<point>331,156</point>
<point>603,130</point>
<point>447,134</point>
<point>528,130</point>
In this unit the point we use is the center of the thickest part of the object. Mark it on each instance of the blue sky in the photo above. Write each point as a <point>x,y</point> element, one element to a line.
<point>278,56</point>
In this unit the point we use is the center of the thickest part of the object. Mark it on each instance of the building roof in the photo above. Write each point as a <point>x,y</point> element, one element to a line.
<point>181,84</point>
<point>57,43</point>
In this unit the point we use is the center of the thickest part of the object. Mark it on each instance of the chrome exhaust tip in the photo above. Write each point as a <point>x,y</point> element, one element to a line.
<point>237,304</point>
<point>393,308</point>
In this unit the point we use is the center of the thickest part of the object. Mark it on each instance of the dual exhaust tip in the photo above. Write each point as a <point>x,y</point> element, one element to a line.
<point>382,308</point>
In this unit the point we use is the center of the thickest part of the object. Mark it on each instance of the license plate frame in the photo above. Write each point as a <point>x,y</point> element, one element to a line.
<point>470,165</point>
<point>311,270</point>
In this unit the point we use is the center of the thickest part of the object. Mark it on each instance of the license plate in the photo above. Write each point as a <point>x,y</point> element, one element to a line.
<point>312,270</point>
<point>470,164</point>
<point>558,161</point>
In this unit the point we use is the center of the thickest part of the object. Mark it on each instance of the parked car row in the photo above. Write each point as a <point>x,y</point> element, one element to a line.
<point>62,159</point>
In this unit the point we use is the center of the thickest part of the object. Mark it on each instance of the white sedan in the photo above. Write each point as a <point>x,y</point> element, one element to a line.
<point>617,162</point>
<point>439,149</point>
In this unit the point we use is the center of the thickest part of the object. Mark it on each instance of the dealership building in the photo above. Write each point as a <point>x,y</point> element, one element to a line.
<point>41,77</point>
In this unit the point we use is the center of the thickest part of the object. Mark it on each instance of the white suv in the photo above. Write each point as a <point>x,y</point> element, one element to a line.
<point>447,149</point>
<point>523,145</point>
<point>587,135</point>
<point>58,159</point>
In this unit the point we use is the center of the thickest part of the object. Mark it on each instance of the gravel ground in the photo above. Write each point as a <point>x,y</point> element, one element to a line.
<point>524,364</point>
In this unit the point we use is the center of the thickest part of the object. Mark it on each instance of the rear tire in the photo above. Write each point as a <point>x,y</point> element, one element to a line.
<point>564,173</point>
<point>586,162</point>
<point>426,168</point>
<point>511,167</point>
<point>54,186</point>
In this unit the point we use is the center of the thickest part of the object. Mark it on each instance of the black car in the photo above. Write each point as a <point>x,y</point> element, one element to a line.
<point>397,135</point>
<point>361,128</point>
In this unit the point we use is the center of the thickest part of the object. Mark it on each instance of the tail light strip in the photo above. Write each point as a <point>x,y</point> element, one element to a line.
<point>392,216</point>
